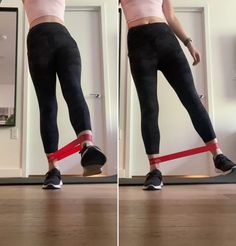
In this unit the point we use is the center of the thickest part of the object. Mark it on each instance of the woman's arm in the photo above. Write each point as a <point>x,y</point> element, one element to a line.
<point>178,29</point>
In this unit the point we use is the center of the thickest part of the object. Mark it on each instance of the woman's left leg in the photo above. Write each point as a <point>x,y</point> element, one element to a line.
<point>69,72</point>
<point>68,63</point>
<point>178,73</point>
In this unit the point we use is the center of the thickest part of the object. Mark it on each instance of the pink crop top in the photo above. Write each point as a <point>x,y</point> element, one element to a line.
<point>137,9</point>
<point>38,8</point>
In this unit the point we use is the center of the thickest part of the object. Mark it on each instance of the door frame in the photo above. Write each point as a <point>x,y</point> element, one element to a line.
<point>181,5</point>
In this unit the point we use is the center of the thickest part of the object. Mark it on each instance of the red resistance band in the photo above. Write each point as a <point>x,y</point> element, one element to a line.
<point>70,148</point>
<point>210,147</point>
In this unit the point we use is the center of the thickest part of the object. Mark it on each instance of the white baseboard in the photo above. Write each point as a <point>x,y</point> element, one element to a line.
<point>122,173</point>
<point>10,172</point>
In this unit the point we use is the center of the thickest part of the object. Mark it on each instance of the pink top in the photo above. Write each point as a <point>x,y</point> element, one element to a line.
<point>137,9</point>
<point>38,8</point>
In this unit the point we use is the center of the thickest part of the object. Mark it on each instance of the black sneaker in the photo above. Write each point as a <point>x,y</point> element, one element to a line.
<point>153,180</point>
<point>92,160</point>
<point>223,164</point>
<point>52,179</point>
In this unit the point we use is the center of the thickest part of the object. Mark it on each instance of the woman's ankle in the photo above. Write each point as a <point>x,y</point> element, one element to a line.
<point>217,151</point>
<point>85,138</point>
<point>153,161</point>
<point>154,167</point>
<point>52,163</point>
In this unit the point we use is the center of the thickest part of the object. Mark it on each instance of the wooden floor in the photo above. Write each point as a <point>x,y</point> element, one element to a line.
<point>76,215</point>
<point>190,215</point>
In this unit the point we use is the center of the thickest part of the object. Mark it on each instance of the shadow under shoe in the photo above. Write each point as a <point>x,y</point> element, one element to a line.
<point>52,180</point>
<point>153,180</point>
<point>92,160</point>
<point>223,165</point>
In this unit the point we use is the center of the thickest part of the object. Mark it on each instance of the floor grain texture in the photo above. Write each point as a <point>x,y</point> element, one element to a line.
<point>75,215</point>
<point>191,215</point>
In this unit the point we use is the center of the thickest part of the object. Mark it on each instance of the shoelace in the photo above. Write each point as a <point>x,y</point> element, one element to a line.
<point>222,158</point>
<point>153,174</point>
<point>50,173</point>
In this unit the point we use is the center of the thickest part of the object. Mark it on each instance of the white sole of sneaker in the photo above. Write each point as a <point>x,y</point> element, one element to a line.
<point>92,170</point>
<point>224,173</point>
<point>52,186</point>
<point>153,187</point>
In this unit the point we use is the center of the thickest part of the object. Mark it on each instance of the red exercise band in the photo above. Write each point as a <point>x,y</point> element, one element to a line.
<point>184,153</point>
<point>70,148</point>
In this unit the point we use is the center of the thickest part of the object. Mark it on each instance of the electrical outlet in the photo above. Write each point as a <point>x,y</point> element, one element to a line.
<point>14,133</point>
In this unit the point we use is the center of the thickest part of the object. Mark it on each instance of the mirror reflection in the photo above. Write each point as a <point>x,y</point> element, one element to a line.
<point>8,44</point>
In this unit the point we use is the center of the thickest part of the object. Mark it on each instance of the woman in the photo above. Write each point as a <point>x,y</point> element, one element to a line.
<point>51,51</point>
<point>152,46</point>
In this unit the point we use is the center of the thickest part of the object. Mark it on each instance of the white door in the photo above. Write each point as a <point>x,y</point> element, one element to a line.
<point>177,132</point>
<point>84,25</point>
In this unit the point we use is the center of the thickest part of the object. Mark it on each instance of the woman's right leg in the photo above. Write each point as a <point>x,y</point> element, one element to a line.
<point>144,72</point>
<point>69,72</point>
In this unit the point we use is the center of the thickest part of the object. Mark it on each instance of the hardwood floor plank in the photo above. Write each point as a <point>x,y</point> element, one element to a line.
<point>192,215</point>
<point>75,215</point>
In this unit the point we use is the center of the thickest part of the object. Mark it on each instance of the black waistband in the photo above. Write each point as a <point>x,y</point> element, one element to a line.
<point>161,25</point>
<point>47,26</point>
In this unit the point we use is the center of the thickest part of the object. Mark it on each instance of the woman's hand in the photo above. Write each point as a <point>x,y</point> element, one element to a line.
<point>177,28</point>
<point>194,53</point>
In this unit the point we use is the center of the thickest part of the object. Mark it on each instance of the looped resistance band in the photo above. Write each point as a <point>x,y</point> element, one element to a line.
<point>184,153</point>
<point>70,148</point>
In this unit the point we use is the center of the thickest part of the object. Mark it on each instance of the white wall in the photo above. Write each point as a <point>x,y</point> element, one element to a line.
<point>221,64</point>
<point>13,161</point>
<point>223,60</point>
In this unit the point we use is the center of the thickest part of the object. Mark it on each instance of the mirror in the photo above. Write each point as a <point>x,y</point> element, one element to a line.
<point>8,65</point>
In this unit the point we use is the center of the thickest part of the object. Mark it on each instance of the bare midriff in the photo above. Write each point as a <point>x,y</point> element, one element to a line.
<point>145,21</point>
<point>47,18</point>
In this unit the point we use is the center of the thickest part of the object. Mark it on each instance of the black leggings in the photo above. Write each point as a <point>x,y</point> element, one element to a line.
<point>154,47</point>
<point>51,51</point>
